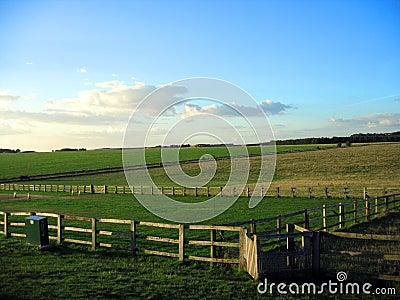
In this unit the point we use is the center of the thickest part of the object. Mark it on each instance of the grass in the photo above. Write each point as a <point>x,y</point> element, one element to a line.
<point>71,272</point>
<point>126,207</point>
<point>28,164</point>
<point>385,224</point>
<point>374,166</point>
<point>66,272</point>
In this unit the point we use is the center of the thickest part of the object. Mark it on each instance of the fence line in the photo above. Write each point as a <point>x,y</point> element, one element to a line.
<point>133,234</point>
<point>248,190</point>
<point>255,246</point>
<point>325,217</point>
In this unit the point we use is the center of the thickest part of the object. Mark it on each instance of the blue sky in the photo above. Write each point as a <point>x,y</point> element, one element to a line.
<point>71,72</point>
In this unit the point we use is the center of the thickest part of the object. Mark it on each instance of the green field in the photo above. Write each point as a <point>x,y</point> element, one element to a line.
<point>69,271</point>
<point>75,271</point>
<point>28,164</point>
<point>127,207</point>
<point>375,166</point>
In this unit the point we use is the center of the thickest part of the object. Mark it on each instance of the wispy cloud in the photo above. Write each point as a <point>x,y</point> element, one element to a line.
<point>233,109</point>
<point>82,70</point>
<point>369,121</point>
<point>6,129</point>
<point>6,96</point>
<point>29,63</point>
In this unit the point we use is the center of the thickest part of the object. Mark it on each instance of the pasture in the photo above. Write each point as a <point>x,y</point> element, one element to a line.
<point>375,166</point>
<point>14,165</point>
<point>74,271</point>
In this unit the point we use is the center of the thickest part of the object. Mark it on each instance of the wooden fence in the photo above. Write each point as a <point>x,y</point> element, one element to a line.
<point>275,251</point>
<point>334,216</point>
<point>248,191</point>
<point>57,231</point>
<point>292,243</point>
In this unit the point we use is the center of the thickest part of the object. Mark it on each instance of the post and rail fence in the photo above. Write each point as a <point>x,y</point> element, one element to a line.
<point>338,192</point>
<point>291,242</point>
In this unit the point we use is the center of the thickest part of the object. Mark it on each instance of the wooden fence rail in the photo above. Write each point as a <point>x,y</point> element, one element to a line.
<point>247,191</point>
<point>327,217</point>
<point>255,246</point>
<point>133,233</point>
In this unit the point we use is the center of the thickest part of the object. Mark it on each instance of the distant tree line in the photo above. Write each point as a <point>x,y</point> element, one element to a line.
<point>354,138</point>
<point>69,149</point>
<point>9,151</point>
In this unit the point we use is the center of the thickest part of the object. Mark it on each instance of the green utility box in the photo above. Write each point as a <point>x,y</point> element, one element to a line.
<point>37,231</point>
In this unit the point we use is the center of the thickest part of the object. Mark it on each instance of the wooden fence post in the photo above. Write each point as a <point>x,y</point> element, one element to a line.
<point>306,245</point>
<point>293,192</point>
<point>377,205</point>
<point>257,258</point>
<point>365,193</point>
<point>208,191</point>
<point>346,193</point>
<point>277,192</point>
<point>105,189</point>
<point>386,203</point>
<point>278,227</point>
<point>6,214</point>
<point>341,215</point>
<point>59,229</point>
<point>324,223</point>
<point>290,244</point>
<point>173,191</point>
<point>116,189</point>
<point>184,191</point>
<point>213,237</point>
<point>220,191</point>
<point>242,249</point>
<point>306,219</point>
<point>310,192</point>
<point>133,237</point>
<point>91,188</point>
<point>253,226</point>
<point>279,224</point>
<point>355,212</point>
<point>196,192</point>
<point>94,231</point>
<point>366,210</point>
<point>316,240</point>
<point>181,242</point>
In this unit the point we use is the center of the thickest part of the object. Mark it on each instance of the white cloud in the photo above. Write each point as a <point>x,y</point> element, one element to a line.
<point>11,128</point>
<point>110,84</point>
<point>233,109</point>
<point>369,121</point>
<point>101,111</point>
<point>82,70</point>
<point>29,63</point>
<point>6,96</point>
<point>114,75</point>
<point>274,108</point>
